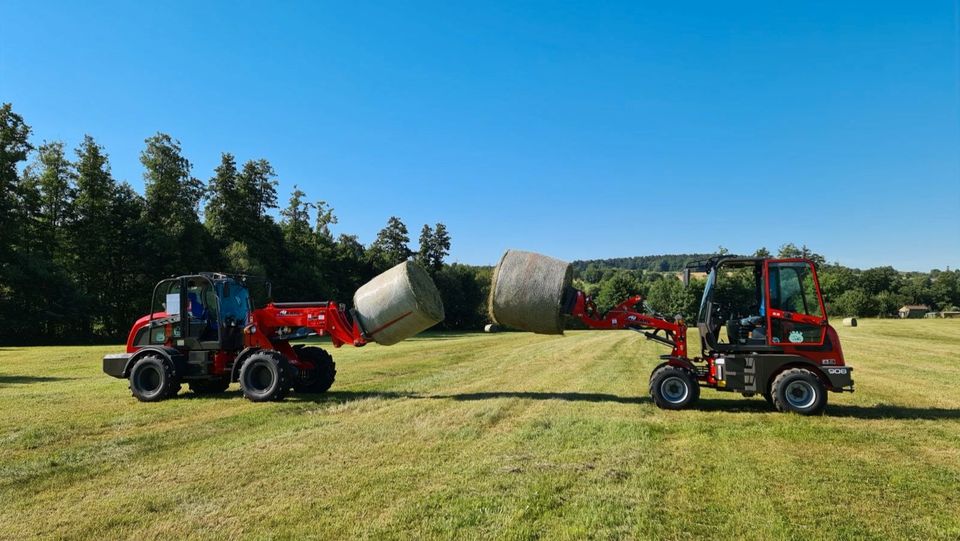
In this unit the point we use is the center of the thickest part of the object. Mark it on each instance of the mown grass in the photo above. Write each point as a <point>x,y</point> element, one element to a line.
<point>487,436</point>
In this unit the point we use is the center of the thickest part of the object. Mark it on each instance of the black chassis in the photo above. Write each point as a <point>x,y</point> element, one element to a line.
<point>754,372</point>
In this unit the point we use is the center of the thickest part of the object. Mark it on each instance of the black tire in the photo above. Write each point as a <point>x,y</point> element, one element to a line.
<point>209,386</point>
<point>324,372</point>
<point>265,376</point>
<point>799,390</point>
<point>673,388</point>
<point>152,379</point>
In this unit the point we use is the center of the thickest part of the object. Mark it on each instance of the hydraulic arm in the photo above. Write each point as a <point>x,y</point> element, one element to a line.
<point>626,316</point>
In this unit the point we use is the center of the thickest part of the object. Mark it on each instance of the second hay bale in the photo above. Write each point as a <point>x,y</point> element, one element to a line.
<point>527,291</point>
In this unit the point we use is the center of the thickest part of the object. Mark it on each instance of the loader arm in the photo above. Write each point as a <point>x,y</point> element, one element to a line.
<point>626,316</point>
<point>323,318</point>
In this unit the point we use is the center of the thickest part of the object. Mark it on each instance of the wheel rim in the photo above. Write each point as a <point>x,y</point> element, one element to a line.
<point>149,379</point>
<point>800,394</point>
<point>260,377</point>
<point>674,389</point>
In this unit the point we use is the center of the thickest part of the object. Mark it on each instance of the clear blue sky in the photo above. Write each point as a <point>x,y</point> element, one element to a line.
<point>581,130</point>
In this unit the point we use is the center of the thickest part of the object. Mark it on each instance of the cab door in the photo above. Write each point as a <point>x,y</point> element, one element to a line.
<point>796,315</point>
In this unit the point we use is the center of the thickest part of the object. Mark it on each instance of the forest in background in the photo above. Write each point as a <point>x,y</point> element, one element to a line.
<point>80,250</point>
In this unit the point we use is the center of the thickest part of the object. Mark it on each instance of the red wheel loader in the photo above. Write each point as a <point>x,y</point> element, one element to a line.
<point>202,330</point>
<point>763,330</point>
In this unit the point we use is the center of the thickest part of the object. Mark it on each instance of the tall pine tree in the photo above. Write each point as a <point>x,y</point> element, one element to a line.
<point>47,297</point>
<point>391,245</point>
<point>14,147</point>
<point>90,235</point>
<point>224,209</point>
<point>173,198</point>
<point>434,247</point>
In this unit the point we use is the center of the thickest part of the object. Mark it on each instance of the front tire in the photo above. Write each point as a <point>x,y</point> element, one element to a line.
<point>673,388</point>
<point>265,376</point>
<point>152,379</point>
<point>323,373</point>
<point>799,390</point>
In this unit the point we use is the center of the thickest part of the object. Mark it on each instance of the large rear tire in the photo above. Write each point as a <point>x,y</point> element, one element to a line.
<point>265,376</point>
<point>673,388</point>
<point>323,374</point>
<point>152,379</point>
<point>799,390</point>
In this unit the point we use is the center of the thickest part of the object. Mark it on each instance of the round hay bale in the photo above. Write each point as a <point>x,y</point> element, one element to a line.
<point>491,327</point>
<point>526,292</point>
<point>849,322</point>
<point>398,304</point>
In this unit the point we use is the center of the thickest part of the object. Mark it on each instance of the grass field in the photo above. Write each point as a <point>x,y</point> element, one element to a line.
<point>479,436</point>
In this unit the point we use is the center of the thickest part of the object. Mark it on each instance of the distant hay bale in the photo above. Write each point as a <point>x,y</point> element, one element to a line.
<point>849,322</point>
<point>526,292</point>
<point>398,304</point>
<point>491,327</point>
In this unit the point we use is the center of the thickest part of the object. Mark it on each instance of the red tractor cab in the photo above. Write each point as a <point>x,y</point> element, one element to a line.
<point>203,330</point>
<point>763,330</point>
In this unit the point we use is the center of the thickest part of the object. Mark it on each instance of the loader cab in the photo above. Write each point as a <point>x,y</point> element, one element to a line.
<point>204,311</point>
<point>760,305</point>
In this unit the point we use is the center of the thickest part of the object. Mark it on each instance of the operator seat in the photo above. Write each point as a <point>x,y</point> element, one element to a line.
<point>200,327</point>
<point>733,331</point>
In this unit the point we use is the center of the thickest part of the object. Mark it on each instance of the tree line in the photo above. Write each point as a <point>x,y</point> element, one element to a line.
<point>80,251</point>
<point>652,263</point>
<point>875,292</point>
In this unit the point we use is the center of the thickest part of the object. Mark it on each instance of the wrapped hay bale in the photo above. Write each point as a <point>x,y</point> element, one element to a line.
<point>398,304</point>
<point>526,292</point>
<point>491,327</point>
<point>849,322</point>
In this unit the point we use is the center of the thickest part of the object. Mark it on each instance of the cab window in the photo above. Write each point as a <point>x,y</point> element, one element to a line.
<point>792,289</point>
<point>234,301</point>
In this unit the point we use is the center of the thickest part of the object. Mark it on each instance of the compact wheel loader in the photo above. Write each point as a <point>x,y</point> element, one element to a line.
<point>202,330</point>
<point>763,330</point>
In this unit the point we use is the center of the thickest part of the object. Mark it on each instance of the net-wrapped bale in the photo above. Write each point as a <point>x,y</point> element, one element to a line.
<point>491,327</point>
<point>398,304</point>
<point>849,322</point>
<point>526,292</point>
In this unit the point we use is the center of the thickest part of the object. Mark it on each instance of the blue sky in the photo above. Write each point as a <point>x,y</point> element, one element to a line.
<point>581,130</point>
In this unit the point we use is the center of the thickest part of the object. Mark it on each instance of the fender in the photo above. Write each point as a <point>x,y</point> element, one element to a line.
<point>238,362</point>
<point>171,355</point>
<point>834,378</point>
<point>677,362</point>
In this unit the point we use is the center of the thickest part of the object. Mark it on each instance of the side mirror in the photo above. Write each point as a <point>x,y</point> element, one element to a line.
<point>226,289</point>
<point>686,277</point>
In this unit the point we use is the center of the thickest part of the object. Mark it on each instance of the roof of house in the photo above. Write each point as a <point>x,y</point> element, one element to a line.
<point>915,307</point>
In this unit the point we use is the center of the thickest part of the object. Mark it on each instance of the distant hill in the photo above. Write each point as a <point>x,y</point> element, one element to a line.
<point>659,263</point>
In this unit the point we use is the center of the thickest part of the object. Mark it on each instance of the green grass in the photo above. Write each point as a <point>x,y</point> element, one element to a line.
<point>479,436</point>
